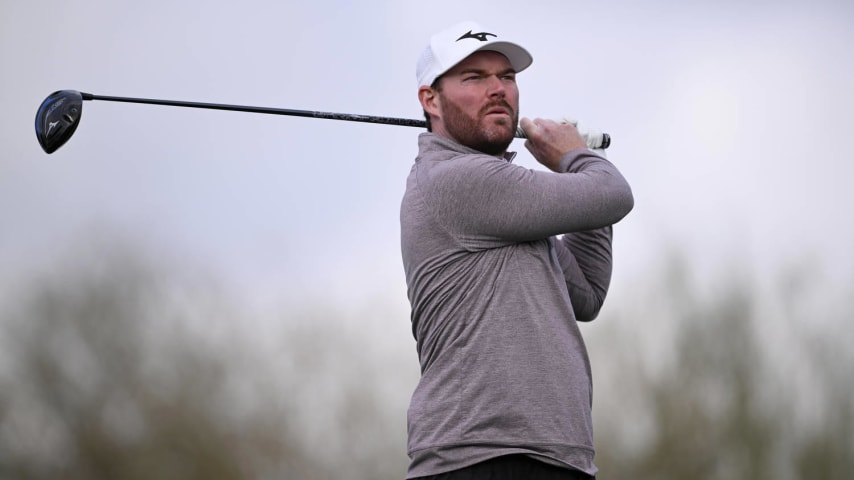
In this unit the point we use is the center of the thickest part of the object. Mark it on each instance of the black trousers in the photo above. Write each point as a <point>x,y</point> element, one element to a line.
<point>511,467</point>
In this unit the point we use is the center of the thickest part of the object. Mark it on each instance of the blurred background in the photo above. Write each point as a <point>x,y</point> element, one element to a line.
<point>197,294</point>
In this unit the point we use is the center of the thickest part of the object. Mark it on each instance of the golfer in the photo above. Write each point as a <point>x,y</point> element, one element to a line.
<point>501,263</point>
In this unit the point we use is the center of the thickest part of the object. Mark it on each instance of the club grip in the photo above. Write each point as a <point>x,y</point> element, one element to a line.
<point>595,140</point>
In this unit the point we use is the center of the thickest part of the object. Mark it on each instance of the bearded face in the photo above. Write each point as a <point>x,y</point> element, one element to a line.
<point>476,103</point>
<point>490,130</point>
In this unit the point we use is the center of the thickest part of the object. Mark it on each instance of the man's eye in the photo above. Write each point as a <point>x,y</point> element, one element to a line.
<point>471,77</point>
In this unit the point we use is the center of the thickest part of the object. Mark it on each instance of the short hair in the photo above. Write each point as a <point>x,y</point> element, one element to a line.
<point>437,86</point>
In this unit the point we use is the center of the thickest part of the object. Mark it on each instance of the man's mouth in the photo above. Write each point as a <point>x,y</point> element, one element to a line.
<point>497,108</point>
<point>498,111</point>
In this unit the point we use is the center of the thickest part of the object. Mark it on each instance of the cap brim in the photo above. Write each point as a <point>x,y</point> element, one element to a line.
<point>519,58</point>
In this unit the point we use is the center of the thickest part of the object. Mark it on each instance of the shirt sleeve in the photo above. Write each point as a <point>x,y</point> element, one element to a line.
<point>488,202</point>
<point>586,261</point>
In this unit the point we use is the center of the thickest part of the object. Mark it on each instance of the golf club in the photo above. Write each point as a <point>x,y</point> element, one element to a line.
<point>59,115</point>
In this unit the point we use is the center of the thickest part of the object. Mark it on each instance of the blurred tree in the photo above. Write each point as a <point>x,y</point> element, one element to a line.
<point>723,404</point>
<point>113,369</point>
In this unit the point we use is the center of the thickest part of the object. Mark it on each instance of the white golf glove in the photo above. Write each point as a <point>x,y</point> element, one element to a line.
<point>592,137</point>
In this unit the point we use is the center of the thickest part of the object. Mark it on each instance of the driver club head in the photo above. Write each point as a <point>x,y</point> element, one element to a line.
<point>57,118</point>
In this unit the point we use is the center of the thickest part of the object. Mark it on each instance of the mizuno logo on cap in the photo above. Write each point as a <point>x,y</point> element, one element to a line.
<point>477,36</point>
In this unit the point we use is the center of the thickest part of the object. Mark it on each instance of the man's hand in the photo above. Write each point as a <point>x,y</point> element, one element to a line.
<point>548,141</point>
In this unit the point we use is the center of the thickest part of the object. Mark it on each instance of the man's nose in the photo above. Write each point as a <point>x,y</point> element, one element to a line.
<point>495,87</point>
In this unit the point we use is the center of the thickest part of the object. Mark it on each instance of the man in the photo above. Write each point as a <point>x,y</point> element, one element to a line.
<point>501,263</point>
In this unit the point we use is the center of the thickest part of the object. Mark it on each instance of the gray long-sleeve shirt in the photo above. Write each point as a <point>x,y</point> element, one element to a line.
<point>496,293</point>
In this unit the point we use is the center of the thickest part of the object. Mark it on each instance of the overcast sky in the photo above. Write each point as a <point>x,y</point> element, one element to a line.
<point>730,121</point>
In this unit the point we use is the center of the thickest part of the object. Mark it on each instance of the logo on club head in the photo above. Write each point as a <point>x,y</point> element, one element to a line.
<point>55,106</point>
<point>50,126</point>
<point>477,36</point>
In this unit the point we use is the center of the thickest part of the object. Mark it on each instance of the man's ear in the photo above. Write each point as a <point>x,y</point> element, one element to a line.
<point>429,101</point>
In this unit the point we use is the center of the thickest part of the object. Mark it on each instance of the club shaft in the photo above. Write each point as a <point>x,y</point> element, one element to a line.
<point>350,117</point>
<point>405,122</point>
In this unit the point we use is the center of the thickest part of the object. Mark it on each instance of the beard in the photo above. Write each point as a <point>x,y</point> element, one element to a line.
<point>488,135</point>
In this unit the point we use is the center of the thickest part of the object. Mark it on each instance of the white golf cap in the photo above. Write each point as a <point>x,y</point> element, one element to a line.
<point>449,47</point>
